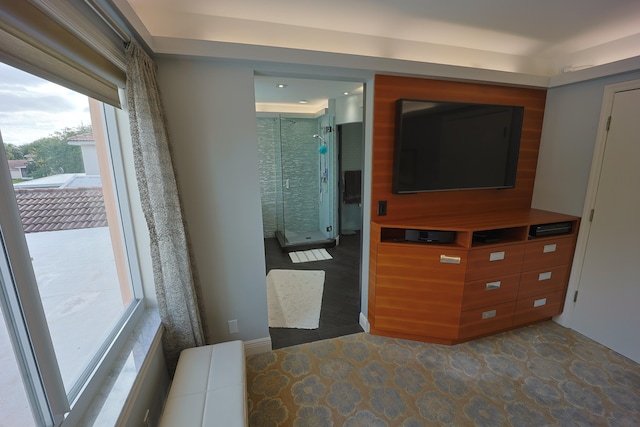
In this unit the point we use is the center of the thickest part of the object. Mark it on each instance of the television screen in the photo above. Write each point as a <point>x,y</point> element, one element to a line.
<point>443,146</point>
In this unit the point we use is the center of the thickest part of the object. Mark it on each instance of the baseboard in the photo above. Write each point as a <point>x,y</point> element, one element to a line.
<point>261,345</point>
<point>364,323</point>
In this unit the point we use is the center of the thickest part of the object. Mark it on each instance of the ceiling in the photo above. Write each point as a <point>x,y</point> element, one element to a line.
<point>539,38</point>
<point>304,96</point>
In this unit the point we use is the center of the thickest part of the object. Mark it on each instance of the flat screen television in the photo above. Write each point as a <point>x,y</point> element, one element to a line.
<point>442,146</point>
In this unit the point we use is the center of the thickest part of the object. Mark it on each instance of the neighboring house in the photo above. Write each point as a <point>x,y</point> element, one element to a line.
<point>87,144</point>
<point>89,179</point>
<point>18,169</point>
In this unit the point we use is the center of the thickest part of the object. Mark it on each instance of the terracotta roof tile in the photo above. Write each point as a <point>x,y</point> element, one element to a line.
<point>51,209</point>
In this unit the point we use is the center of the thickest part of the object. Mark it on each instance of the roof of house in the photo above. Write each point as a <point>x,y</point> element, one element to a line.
<point>53,209</point>
<point>62,180</point>
<point>82,137</point>
<point>15,164</point>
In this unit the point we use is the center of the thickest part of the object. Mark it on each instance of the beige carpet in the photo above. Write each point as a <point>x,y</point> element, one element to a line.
<point>294,298</point>
<point>543,375</point>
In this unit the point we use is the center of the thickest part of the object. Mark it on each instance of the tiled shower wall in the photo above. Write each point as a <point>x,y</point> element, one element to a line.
<point>296,158</point>
<point>268,134</point>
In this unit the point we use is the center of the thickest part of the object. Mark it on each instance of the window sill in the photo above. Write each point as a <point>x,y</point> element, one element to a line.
<point>112,401</point>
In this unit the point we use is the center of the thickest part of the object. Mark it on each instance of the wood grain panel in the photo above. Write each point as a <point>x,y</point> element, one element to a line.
<point>543,280</point>
<point>420,262</point>
<point>526,311</point>
<point>548,252</point>
<point>416,292</point>
<point>373,257</point>
<point>390,88</point>
<point>494,261</point>
<point>473,324</point>
<point>494,290</point>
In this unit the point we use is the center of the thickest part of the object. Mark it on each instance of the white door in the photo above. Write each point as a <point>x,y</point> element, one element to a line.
<point>608,303</point>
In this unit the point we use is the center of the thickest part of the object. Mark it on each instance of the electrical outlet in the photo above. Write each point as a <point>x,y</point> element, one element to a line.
<point>233,326</point>
<point>382,208</point>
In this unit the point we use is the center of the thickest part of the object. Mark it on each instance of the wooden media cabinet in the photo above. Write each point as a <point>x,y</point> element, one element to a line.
<point>496,274</point>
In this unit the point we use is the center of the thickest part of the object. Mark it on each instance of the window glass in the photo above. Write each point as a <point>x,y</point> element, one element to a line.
<point>63,186</point>
<point>12,391</point>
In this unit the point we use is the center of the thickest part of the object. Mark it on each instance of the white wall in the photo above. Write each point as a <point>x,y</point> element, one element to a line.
<point>349,109</point>
<point>211,119</point>
<point>90,159</point>
<point>212,125</point>
<point>568,138</point>
<point>570,126</point>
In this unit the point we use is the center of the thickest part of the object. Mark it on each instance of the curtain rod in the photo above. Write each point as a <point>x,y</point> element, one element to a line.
<point>104,15</point>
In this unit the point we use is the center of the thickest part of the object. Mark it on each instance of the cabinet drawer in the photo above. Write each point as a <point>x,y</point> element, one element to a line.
<point>541,281</point>
<point>538,308</point>
<point>418,262</point>
<point>486,320</point>
<point>494,261</point>
<point>482,293</point>
<point>548,252</point>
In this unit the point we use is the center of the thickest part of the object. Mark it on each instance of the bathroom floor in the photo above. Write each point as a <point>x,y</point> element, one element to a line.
<point>340,310</point>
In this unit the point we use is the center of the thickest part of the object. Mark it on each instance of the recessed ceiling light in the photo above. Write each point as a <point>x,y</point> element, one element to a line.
<point>281,85</point>
<point>303,101</point>
<point>345,93</point>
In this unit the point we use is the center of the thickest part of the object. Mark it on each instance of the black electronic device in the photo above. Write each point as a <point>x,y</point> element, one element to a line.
<point>487,236</point>
<point>551,229</point>
<point>430,236</point>
<point>443,146</point>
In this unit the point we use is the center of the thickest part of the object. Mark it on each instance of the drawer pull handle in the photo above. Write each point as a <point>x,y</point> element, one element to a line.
<point>549,248</point>
<point>492,285</point>
<point>540,302</point>
<point>496,256</point>
<point>488,314</point>
<point>446,259</point>
<point>544,276</point>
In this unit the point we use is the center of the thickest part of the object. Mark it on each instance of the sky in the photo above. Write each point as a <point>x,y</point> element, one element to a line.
<point>32,108</point>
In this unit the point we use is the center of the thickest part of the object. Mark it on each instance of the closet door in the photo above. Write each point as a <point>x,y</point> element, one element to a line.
<point>607,307</point>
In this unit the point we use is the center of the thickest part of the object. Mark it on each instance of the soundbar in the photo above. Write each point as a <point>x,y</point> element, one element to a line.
<point>430,236</point>
<point>550,229</point>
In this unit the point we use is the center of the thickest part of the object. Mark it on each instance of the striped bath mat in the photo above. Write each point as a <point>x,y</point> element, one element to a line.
<point>310,255</point>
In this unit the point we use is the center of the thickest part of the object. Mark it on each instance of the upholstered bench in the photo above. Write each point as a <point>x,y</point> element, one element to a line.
<point>209,388</point>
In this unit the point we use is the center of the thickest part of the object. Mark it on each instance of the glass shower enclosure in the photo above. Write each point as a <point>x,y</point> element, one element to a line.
<point>297,169</point>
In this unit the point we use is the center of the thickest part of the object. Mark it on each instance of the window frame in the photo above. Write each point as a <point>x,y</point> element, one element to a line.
<point>22,306</point>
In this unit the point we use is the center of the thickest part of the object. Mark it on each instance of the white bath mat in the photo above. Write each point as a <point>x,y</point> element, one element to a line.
<point>310,255</point>
<point>294,298</point>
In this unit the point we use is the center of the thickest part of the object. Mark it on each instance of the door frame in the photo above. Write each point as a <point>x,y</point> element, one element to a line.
<point>565,318</point>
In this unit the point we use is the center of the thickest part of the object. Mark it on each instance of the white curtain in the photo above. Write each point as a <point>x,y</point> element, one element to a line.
<point>177,287</point>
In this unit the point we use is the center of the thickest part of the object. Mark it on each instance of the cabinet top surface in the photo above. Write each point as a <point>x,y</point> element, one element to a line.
<point>479,221</point>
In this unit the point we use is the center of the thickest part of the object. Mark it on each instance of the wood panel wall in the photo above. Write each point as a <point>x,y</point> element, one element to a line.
<point>387,89</point>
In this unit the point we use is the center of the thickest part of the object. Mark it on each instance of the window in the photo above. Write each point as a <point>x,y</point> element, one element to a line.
<point>69,280</point>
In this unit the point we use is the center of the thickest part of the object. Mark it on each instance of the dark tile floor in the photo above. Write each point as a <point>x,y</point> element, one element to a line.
<point>340,310</point>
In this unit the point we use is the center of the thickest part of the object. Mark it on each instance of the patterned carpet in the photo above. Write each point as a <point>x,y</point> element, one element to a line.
<point>543,375</point>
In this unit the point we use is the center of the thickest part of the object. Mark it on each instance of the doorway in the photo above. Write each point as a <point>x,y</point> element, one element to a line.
<point>300,128</point>
<point>607,291</point>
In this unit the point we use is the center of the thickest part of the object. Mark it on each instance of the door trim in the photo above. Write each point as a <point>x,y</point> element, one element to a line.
<point>592,189</point>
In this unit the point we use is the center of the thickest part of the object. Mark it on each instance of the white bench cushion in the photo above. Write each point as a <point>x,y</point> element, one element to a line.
<point>209,388</point>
